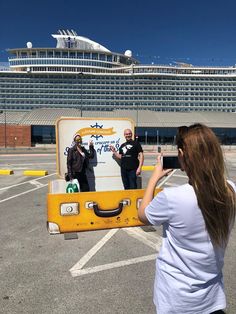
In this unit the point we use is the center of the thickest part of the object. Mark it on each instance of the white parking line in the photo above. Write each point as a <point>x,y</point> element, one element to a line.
<point>14,185</point>
<point>30,164</point>
<point>166,179</point>
<point>27,155</point>
<point>142,236</point>
<point>139,234</point>
<point>180,176</point>
<point>33,230</point>
<point>19,168</point>
<point>171,184</point>
<point>77,270</point>
<point>26,192</point>
<point>93,251</point>
<point>36,183</point>
<point>127,262</point>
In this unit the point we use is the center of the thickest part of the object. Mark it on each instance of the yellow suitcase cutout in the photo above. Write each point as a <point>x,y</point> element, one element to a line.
<point>85,211</point>
<point>108,205</point>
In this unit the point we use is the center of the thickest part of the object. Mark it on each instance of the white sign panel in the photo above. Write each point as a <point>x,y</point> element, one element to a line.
<point>104,171</point>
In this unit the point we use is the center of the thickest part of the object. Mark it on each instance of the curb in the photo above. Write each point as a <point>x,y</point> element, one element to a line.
<point>6,171</point>
<point>35,173</point>
<point>147,168</point>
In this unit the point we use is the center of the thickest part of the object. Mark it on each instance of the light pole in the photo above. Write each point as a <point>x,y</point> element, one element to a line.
<point>5,126</point>
<point>137,108</point>
<point>5,123</point>
<point>137,114</point>
<point>157,137</point>
<point>146,136</point>
<point>135,104</point>
<point>81,93</point>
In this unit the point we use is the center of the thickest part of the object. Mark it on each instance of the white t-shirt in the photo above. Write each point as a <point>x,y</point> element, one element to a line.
<point>188,269</point>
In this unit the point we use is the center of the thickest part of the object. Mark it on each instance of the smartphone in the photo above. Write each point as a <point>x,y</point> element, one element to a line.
<point>170,162</point>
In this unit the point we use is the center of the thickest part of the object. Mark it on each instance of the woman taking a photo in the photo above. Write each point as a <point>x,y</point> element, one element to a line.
<point>197,218</point>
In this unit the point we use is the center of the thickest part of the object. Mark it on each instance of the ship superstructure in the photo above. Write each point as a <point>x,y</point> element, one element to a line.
<point>80,73</point>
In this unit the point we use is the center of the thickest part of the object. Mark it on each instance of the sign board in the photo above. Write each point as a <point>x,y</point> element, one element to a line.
<point>104,171</point>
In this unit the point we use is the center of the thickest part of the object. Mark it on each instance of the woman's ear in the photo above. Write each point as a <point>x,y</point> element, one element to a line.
<point>180,152</point>
<point>181,158</point>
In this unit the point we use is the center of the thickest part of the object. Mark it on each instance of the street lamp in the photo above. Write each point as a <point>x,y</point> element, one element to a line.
<point>133,94</point>
<point>137,114</point>
<point>5,126</point>
<point>81,93</point>
<point>5,123</point>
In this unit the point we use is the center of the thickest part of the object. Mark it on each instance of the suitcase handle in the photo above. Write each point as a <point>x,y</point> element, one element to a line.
<point>109,213</point>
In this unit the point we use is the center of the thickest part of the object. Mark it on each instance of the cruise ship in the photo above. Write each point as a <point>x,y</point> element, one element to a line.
<point>82,74</point>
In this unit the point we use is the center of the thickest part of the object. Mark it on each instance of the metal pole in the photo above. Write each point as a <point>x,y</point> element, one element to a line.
<point>135,107</point>
<point>5,126</point>
<point>157,137</point>
<point>174,142</point>
<point>81,98</point>
<point>81,93</point>
<point>136,103</point>
<point>137,114</point>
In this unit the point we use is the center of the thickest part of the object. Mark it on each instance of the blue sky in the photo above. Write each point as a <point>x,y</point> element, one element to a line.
<point>200,32</point>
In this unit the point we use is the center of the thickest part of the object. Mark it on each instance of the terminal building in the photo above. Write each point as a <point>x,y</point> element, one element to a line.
<point>80,77</point>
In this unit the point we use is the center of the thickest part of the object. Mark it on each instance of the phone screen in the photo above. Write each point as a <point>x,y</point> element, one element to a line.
<point>171,162</point>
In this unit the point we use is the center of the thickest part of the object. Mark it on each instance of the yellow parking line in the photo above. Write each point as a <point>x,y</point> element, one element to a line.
<point>6,171</point>
<point>147,168</point>
<point>35,173</point>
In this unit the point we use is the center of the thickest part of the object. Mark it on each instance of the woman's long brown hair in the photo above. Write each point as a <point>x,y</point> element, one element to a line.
<point>205,167</point>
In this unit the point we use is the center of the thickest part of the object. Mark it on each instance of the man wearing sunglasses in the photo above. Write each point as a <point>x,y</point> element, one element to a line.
<point>131,155</point>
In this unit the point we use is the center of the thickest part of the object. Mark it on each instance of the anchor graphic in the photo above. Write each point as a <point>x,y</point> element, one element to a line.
<point>97,126</point>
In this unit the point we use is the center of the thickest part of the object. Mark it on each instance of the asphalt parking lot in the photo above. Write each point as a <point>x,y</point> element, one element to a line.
<point>107,271</point>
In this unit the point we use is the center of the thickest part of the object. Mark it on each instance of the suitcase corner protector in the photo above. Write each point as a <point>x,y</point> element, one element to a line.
<point>53,228</point>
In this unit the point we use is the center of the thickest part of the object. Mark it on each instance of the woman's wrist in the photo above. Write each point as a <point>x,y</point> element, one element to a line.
<point>153,181</point>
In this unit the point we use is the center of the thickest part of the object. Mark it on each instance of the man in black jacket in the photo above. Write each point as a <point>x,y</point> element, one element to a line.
<point>131,155</point>
<point>77,162</point>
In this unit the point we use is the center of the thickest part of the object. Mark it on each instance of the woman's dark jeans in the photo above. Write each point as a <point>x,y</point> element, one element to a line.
<point>83,181</point>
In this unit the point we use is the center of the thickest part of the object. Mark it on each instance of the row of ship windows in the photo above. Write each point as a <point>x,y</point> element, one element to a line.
<point>88,71</point>
<point>130,77</point>
<point>148,99</point>
<point>110,106</point>
<point>66,54</point>
<point>115,89</point>
<point>75,70</point>
<point>114,58</point>
<point>101,85</point>
<point>62,62</point>
<point>163,70</point>
<point>93,69</point>
<point>95,64</point>
<point>116,81</point>
<point>184,71</point>
<point>103,108</point>
<point>110,78</point>
<point>11,91</point>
